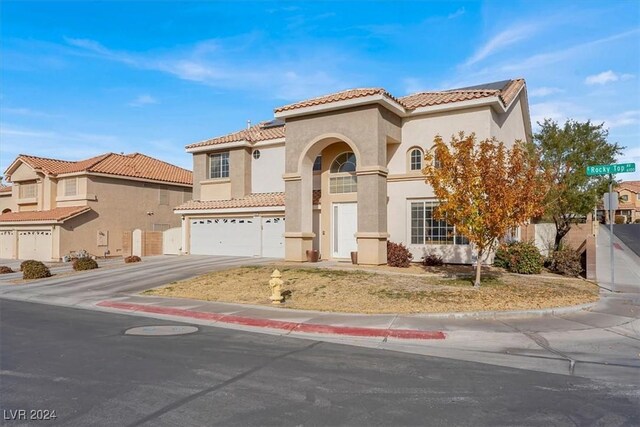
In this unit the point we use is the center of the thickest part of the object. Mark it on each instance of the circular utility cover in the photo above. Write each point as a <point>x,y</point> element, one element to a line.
<point>160,331</point>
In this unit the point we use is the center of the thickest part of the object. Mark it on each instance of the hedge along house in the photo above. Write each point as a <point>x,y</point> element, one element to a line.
<point>56,206</point>
<point>341,173</point>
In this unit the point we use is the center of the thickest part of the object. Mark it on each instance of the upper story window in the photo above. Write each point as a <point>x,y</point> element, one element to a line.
<point>219,165</point>
<point>256,154</point>
<point>71,186</point>
<point>29,191</point>
<point>317,164</point>
<point>415,159</point>
<point>163,195</point>
<point>624,197</point>
<point>343,174</point>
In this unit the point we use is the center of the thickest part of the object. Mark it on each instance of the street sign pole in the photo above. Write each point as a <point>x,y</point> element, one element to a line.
<point>598,170</point>
<point>611,221</point>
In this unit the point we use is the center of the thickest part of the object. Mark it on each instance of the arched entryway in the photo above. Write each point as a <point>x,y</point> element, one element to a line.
<point>352,219</point>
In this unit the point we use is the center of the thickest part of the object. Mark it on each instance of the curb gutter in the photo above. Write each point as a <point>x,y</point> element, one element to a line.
<point>289,327</point>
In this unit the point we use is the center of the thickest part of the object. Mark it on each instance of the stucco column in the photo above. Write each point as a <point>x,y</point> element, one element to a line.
<point>372,215</point>
<point>298,236</point>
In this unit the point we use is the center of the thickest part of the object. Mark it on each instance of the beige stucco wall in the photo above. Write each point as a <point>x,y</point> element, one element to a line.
<point>121,205</point>
<point>237,185</point>
<point>215,189</point>
<point>420,131</point>
<point>266,172</point>
<point>510,125</point>
<point>24,173</point>
<point>8,202</point>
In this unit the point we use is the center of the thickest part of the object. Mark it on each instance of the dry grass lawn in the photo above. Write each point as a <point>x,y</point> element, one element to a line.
<point>357,291</point>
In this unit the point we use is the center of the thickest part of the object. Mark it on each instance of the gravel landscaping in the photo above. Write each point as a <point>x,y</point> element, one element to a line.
<point>386,290</point>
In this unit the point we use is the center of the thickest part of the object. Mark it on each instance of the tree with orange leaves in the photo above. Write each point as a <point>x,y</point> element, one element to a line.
<point>484,188</point>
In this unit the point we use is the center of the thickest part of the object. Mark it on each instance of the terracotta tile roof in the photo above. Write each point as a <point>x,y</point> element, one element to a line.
<point>254,200</point>
<point>427,99</point>
<point>334,97</point>
<point>629,185</point>
<point>134,165</point>
<point>5,189</point>
<point>54,215</point>
<point>261,132</point>
<point>506,90</point>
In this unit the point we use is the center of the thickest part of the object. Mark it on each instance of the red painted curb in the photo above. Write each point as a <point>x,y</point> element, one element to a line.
<point>278,324</point>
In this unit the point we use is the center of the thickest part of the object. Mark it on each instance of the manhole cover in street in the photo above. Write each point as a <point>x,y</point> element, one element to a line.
<point>158,331</point>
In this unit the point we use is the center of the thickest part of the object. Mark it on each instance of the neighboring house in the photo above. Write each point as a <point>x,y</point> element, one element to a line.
<point>629,200</point>
<point>7,203</point>
<point>340,173</point>
<point>60,206</point>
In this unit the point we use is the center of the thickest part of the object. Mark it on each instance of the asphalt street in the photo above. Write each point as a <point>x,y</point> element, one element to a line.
<point>630,235</point>
<point>80,364</point>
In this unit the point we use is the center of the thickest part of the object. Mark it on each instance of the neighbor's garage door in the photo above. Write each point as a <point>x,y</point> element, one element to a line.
<point>225,236</point>
<point>7,244</point>
<point>238,236</point>
<point>35,244</point>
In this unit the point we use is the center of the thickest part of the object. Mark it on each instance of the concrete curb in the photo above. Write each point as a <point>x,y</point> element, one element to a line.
<point>288,327</point>
<point>509,314</point>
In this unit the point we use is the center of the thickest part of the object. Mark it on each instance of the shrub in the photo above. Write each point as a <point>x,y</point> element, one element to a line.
<point>132,258</point>
<point>637,221</point>
<point>432,260</point>
<point>4,269</point>
<point>566,261</point>
<point>85,263</point>
<point>398,255</point>
<point>34,270</point>
<point>27,262</point>
<point>519,257</point>
<point>621,219</point>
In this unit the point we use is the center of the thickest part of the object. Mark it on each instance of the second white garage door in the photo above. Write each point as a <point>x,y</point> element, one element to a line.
<point>255,236</point>
<point>35,244</point>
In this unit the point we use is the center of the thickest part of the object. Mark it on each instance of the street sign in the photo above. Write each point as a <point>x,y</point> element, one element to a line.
<point>611,201</point>
<point>610,169</point>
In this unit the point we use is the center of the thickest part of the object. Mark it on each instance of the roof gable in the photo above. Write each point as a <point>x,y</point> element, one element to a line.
<point>134,165</point>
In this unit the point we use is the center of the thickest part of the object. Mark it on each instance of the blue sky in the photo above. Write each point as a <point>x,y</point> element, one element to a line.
<point>82,78</point>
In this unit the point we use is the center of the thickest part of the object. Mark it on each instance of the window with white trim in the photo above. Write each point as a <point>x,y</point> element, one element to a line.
<point>342,172</point>
<point>219,165</point>
<point>415,159</point>
<point>29,191</point>
<point>426,230</point>
<point>71,186</point>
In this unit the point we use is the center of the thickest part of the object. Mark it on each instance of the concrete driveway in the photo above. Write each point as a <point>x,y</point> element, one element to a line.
<point>88,287</point>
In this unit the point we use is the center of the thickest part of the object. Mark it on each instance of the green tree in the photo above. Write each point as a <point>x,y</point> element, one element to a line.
<point>484,188</point>
<point>565,153</point>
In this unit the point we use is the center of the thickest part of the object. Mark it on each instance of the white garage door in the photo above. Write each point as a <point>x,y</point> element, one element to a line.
<point>225,236</point>
<point>273,237</point>
<point>35,244</point>
<point>6,244</point>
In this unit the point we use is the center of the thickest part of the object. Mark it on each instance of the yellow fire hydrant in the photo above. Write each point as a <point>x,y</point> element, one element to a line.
<point>276,287</point>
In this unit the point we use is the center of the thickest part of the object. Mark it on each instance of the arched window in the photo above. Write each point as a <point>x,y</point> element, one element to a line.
<point>7,210</point>
<point>343,177</point>
<point>345,162</point>
<point>415,159</point>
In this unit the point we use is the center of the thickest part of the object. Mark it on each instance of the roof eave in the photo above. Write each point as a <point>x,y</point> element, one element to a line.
<point>340,105</point>
<point>492,101</point>
<point>212,147</point>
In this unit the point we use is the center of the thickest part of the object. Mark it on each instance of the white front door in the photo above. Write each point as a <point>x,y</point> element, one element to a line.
<point>345,226</point>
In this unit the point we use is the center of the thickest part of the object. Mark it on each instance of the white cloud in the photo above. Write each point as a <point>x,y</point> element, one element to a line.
<point>294,73</point>
<point>142,100</point>
<point>26,112</point>
<point>461,11</point>
<point>540,92</point>
<point>626,118</point>
<point>559,111</point>
<point>501,40</point>
<point>606,77</point>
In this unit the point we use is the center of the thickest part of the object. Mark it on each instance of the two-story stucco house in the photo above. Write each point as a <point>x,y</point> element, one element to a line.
<point>55,206</point>
<point>340,173</point>
<point>629,200</point>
